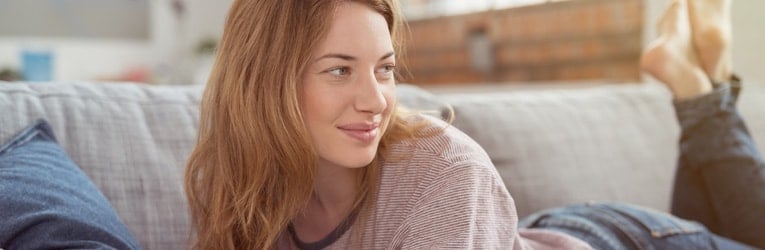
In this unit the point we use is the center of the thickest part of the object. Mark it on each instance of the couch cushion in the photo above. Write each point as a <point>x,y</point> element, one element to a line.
<point>131,140</point>
<point>49,203</point>
<point>555,147</point>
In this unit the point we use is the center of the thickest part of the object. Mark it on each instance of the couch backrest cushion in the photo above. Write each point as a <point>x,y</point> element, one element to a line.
<point>420,100</point>
<point>131,140</point>
<point>555,147</point>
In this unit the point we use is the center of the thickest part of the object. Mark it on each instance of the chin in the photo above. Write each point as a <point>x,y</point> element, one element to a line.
<point>355,159</point>
<point>360,160</point>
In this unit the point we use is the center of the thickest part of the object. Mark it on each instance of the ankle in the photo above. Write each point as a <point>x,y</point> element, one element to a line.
<point>682,76</point>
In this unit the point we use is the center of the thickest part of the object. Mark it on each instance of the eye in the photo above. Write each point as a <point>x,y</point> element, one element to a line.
<point>339,71</point>
<point>386,69</point>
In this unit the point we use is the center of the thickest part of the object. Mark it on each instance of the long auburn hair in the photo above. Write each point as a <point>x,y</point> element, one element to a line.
<point>253,166</point>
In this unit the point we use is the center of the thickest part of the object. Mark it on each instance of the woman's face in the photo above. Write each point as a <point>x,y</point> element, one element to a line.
<point>348,90</point>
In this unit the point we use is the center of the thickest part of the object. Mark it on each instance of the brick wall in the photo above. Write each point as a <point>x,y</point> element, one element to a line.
<point>556,41</point>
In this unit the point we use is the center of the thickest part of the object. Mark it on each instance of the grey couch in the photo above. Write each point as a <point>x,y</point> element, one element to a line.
<point>552,147</point>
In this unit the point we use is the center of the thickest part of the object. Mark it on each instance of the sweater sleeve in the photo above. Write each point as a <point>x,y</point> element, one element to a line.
<point>466,206</point>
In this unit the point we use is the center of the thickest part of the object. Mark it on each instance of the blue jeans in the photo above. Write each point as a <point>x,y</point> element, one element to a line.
<point>47,202</point>
<point>719,190</point>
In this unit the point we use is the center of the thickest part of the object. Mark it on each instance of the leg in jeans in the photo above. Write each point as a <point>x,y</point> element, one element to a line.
<point>701,191</point>
<point>623,226</point>
<point>720,179</point>
<point>721,176</point>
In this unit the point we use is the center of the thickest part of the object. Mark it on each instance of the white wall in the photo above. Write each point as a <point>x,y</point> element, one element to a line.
<point>168,51</point>
<point>206,19</point>
<point>748,35</point>
<point>749,40</point>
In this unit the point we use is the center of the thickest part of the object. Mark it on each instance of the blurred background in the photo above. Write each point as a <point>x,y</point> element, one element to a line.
<point>452,42</point>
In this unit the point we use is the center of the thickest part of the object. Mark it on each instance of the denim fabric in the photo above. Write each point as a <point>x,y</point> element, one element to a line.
<point>720,182</point>
<point>623,226</point>
<point>47,202</point>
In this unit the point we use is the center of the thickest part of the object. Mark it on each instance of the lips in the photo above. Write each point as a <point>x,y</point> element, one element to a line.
<point>363,132</point>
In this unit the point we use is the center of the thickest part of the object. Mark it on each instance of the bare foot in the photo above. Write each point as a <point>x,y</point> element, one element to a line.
<point>672,59</point>
<point>711,28</point>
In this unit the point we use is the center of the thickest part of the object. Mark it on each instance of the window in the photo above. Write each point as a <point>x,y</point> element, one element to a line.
<point>421,9</point>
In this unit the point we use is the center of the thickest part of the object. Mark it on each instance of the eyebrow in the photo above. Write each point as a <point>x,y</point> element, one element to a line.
<point>349,57</point>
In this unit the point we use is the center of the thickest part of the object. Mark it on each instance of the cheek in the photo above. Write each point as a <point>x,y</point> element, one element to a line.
<point>321,103</point>
<point>312,96</point>
<point>310,102</point>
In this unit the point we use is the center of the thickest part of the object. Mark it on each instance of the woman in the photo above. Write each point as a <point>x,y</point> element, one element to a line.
<point>302,145</point>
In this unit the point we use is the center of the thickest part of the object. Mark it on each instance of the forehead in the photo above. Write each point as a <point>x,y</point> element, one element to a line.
<point>357,29</point>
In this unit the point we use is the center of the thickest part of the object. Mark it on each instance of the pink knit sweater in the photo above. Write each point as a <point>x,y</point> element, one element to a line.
<point>444,192</point>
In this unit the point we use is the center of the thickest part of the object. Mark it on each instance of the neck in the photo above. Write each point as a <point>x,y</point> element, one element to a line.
<point>334,193</point>
<point>335,188</point>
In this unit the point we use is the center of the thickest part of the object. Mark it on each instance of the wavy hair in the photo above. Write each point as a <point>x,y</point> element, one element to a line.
<point>252,169</point>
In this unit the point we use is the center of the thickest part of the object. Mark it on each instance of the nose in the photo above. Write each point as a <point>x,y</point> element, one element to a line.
<point>370,98</point>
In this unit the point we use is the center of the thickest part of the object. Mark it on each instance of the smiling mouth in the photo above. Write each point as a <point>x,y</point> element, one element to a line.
<point>365,133</point>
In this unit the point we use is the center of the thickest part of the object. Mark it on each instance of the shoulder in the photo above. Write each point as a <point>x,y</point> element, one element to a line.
<point>442,154</point>
<point>439,141</point>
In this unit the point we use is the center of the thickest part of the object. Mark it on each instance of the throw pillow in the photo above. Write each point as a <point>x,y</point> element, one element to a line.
<point>47,202</point>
